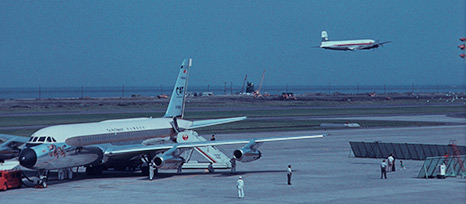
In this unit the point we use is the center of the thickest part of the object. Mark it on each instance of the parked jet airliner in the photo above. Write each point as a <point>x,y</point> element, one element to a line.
<point>352,45</point>
<point>126,143</point>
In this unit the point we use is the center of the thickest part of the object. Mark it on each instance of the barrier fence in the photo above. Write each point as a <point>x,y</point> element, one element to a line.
<point>452,164</point>
<point>404,151</point>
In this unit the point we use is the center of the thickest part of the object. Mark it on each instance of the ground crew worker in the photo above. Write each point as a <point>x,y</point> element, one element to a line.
<point>383,169</point>
<point>179,169</point>
<point>151,171</point>
<point>288,174</point>
<point>212,138</point>
<point>61,174</point>
<point>240,187</point>
<point>210,168</point>
<point>233,165</point>
<point>441,171</point>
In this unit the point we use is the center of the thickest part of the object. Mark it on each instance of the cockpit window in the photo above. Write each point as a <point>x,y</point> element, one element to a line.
<point>41,139</point>
<point>54,139</point>
<point>35,139</point>
<point>30,139</point>
<point>48,139</point>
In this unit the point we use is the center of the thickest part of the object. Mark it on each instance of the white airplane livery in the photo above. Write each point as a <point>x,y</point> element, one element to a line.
<point>129,143</point>
<point>352,45</point>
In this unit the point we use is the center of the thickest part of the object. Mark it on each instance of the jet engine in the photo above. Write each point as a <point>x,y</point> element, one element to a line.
<point>247,155</point>
<point>170,159</point>
<point>168,162</point>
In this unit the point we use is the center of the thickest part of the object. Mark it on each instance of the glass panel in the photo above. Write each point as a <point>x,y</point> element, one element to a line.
<point>41,139</point>
<point>48,139</point>
<point>35,139</point>
<point>54,139</point>
<point>30,139</point>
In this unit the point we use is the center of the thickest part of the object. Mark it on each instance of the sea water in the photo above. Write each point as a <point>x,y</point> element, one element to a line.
<point>131,91</point>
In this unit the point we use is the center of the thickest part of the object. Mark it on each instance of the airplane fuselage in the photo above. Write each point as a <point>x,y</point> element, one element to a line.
<point>349,44</point>
<point>64,146</point>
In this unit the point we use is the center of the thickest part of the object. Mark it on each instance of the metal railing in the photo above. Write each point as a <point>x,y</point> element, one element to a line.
<point>404,151</point>
<point>452,164</point>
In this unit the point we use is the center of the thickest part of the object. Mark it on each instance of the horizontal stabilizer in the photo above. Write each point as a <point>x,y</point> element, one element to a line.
<point>210,122</point>
<point>384,42</point>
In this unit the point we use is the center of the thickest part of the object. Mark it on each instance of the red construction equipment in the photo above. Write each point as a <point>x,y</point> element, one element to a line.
<point>456,154</point>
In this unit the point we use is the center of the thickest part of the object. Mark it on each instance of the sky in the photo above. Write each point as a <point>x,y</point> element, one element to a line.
<point>142,43</point>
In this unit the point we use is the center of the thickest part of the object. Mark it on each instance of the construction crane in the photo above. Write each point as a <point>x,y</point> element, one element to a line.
<point>242,89</point>
<point>258,92</point>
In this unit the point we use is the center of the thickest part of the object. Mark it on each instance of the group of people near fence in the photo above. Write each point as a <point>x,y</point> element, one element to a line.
<point>390,167</point>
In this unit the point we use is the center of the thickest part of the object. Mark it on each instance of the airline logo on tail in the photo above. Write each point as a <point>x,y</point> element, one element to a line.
<point>177,100</point>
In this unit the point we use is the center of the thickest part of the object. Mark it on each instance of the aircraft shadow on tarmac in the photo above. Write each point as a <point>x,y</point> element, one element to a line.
<point>53,177</point>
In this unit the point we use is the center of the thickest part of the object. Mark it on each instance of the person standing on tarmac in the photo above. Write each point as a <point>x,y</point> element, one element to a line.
<point>393,163</point>
<point>383,169</point>
<point>210,168</point>
<point>390,162</point>
<point>288,174</point>
<point>152,170</point>
<point>233,165</point>
<point>240,187</point>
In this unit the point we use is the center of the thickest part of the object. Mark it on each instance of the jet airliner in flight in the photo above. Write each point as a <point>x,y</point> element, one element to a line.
<point>352,45</point>
<point>133,142</point>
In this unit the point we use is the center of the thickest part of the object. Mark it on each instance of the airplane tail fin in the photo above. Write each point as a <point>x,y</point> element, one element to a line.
<point>177,100</point>
<point>324,36</point>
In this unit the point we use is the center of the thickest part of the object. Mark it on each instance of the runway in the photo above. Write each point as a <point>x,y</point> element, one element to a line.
<point>324,172</point>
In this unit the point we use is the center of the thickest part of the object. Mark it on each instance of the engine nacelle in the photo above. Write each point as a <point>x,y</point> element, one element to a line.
<point>168,162</point>
<point>247,155</point>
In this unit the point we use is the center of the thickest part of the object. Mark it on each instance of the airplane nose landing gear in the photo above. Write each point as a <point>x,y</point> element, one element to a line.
<point>42,181</point>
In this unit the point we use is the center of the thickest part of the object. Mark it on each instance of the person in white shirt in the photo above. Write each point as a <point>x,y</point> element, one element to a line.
<point>240,187</point>
<point>390,162</point>
<point>383,169</point>
<point>151,170</point>
<point>288,174</point>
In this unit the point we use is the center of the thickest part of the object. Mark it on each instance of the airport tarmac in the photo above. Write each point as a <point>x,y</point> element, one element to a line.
<point>324,172</point>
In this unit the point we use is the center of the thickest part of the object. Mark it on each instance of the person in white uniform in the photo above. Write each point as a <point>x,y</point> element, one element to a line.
<point>240,187</point>
<point>151,171</point>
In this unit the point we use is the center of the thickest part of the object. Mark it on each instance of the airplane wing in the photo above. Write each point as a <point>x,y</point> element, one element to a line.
<point>210,122</point>
<point>127,149</point>
<point>10,145</point>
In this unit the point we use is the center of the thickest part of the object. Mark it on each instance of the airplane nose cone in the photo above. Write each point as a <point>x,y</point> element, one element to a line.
<point>27,158</point>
